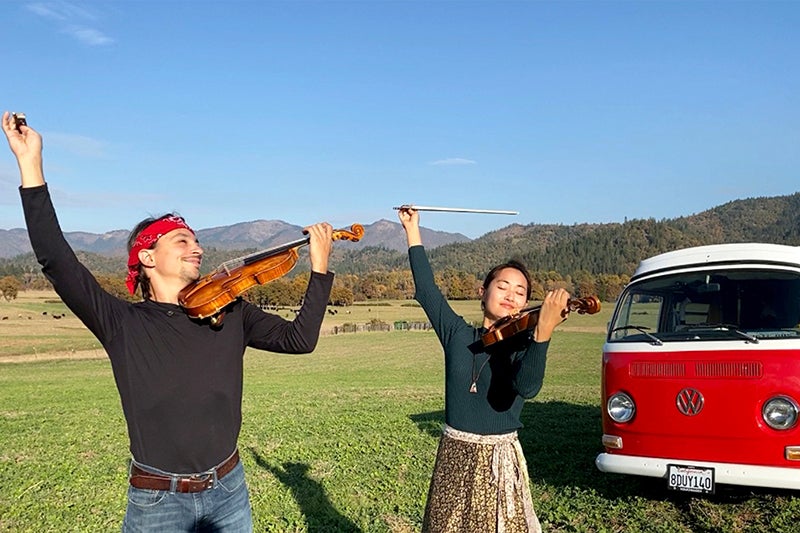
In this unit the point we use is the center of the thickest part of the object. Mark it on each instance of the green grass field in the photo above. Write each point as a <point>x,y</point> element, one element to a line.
<point>340,440</point>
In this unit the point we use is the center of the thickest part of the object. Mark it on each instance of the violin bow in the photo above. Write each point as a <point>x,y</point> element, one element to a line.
<point>455,209</point>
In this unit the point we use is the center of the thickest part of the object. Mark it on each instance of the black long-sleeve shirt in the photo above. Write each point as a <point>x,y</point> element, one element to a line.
<point>179,380</point>
<point>505,376</point>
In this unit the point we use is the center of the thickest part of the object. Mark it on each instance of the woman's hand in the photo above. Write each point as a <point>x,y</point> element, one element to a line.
<point>553,312</point>
<point>409,218</point>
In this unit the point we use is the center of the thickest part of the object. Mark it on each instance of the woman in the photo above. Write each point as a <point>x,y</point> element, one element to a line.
<point>480,479</point>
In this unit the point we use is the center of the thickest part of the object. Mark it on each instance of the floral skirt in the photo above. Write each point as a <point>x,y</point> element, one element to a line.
<point>480,485</point>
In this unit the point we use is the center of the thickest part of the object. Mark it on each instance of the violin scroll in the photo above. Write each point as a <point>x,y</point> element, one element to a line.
<point>584,306</point>
<point>354,234</point>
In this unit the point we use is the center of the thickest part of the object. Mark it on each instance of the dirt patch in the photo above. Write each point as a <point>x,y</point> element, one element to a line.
<point>583,329</point>
<point>54,356</point>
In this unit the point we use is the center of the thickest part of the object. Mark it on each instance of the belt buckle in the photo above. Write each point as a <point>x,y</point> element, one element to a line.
<point>186,484</point>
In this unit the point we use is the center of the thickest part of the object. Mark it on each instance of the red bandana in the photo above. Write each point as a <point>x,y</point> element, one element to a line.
<point>146,238</point>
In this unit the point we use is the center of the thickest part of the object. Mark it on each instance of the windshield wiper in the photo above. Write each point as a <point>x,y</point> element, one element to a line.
<point>726,327</point>
<point>655,341</point>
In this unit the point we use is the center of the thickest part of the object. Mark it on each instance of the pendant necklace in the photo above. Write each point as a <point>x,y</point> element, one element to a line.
<point>474,387</point>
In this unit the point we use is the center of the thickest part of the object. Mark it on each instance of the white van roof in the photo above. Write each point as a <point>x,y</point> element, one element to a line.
<point>715,254</point>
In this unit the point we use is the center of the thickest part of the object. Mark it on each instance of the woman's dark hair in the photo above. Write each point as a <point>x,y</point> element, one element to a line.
<point>144,281</point>
<point>509,264</point>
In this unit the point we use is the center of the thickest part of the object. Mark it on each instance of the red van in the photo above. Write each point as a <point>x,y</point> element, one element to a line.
<point>701,369</point>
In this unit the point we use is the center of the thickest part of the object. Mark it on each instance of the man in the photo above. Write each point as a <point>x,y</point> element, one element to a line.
<point>179,379</point>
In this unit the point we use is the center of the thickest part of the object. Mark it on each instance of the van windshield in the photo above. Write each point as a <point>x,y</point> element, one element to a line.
<point>746,304</point>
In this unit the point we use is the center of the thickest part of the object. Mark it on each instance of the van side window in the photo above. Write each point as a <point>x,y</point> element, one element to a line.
<point>642,311</point>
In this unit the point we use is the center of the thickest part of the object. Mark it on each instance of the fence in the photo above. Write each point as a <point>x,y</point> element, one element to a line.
<point>375,325</point>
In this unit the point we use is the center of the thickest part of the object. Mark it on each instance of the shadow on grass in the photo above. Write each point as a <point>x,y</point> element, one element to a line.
<point>430,423</point>
<point>319,514</point>
<point>561,441</point>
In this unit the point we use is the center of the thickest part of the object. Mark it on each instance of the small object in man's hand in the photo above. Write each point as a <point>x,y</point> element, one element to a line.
<point>19,120</point>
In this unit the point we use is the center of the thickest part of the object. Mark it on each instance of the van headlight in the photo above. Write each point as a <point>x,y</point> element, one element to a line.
<point>780,412</point>
<point>620,407</point>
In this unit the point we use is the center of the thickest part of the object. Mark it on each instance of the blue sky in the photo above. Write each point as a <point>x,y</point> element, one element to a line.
<point>568,112</point>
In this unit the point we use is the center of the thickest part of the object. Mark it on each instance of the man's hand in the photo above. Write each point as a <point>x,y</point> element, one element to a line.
<point>26,145</point>
<point>319,245</point>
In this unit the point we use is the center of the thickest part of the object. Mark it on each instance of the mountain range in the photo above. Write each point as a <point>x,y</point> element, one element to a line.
<point>258,234</point>
<point>577,250</point>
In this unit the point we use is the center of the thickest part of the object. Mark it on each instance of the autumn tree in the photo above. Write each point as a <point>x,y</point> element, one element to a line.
<point>9,287</point>
<point>584,284</point>
<point>609,286</point>
<point>277,293</point>
<point>116,286</point>
<point>457,285</point>
<point>35,282</point>
<point>341,296</point>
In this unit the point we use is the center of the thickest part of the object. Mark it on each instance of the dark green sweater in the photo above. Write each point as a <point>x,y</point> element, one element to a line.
<point>512,373</point>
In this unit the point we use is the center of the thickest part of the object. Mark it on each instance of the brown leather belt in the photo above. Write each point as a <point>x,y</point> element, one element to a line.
<point>142,479</point>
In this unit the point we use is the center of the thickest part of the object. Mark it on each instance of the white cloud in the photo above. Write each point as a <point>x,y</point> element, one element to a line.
<point>73,19</point>
<point>45,11</point>
<point>89,36</point>
<point>453,161</point>
<point>60,11</point>
<point>79,144</point>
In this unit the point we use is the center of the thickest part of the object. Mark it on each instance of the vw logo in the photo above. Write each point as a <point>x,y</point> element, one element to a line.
<point>689,401</point>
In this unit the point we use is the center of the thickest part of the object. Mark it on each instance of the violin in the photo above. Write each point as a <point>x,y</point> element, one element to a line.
<point>526,319</point>
<point>209,295</point>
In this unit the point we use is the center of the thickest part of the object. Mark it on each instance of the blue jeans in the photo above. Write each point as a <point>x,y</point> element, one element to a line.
<point>225,507</point>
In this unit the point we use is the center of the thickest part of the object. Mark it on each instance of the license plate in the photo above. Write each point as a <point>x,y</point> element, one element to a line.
<point>686,478</point>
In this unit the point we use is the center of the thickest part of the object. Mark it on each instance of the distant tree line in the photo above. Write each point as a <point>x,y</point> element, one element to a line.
<point>351,288</point>
<point>586,259</point>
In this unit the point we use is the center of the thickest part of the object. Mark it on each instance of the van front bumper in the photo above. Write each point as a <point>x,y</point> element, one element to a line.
<point>725,473</point>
